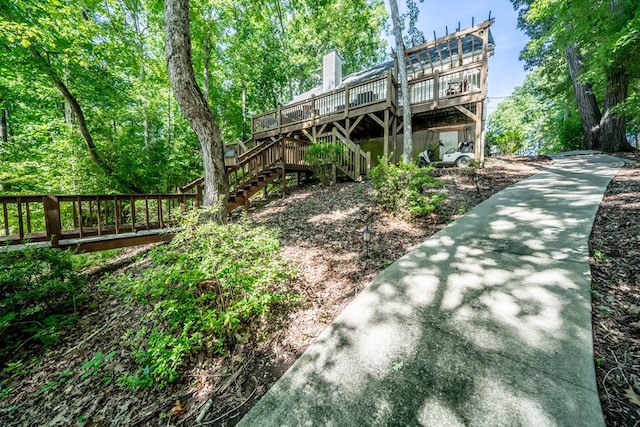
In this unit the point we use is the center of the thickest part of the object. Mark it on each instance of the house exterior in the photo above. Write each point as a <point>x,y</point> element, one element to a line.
<point>448,89</point>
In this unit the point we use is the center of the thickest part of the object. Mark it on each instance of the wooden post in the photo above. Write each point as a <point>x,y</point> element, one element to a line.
<point>279,119</point>
<point>485,63</point>
<point>52,219</point>
<point>357,162</point>
<point>386,133</point>
<point>389,88</point>
<point>346,101</point>
<point>284,167</point>
<point>436,87</point>
<point>20,222</point>
<point>347,125</point>
<point>479,143</point>
<point>199,195</point>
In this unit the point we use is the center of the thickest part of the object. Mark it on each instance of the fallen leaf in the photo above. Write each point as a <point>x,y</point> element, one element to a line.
<point>398,366</point>
<point>634,309</point>
<point>177,409</point>
<point>635,325</point>
<point>632,396</point>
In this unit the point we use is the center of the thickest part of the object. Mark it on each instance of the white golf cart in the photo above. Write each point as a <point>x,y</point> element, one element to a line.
<point>460,156</point>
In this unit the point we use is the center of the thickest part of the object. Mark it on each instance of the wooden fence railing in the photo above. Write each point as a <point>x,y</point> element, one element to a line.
<point>340,100</point>
<point>54,218</point>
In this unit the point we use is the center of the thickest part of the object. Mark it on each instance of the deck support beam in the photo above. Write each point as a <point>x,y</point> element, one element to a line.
<point>478,142</point>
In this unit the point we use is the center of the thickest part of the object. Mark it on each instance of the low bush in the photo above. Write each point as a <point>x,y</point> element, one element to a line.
<point>322,156</point>
<point>405,189</point>
<point>39,294</point>
<point>205,289</point>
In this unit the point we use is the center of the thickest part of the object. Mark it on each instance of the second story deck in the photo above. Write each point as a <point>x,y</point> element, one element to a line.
<point>447,72</point>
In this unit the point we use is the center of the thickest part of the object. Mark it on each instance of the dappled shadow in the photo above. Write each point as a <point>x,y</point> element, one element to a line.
<point>486,323</point>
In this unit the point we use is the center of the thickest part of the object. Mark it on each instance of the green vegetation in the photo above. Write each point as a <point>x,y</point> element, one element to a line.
<point>323,157</point>
<point>211,287</point>
<point>39,295</point>
<point>205,290</point>
<point>584,88</point>
<point>109,57</point>
<point>405,189</point>
<point>536,117</point>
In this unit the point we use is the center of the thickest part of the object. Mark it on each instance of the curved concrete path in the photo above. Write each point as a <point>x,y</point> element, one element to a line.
<point>487,323</point>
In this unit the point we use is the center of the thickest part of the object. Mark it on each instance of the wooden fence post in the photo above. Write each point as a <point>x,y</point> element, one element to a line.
<point>284,167</point>
<point>356,165</point>
<point>52,219</point>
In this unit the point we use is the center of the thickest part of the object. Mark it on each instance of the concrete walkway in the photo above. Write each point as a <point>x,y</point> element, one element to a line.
<point>487,323</point>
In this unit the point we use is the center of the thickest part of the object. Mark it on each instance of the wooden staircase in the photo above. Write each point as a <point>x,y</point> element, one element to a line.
<point>242,195</point>
<point>256,168</point>
<point>265,163</point>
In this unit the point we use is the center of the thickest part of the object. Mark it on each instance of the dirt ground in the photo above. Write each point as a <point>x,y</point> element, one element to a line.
<point>321,232</point>
<point>615,272</point>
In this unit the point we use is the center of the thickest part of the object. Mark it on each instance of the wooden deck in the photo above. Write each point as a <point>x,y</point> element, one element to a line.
<point>88,223</point>
<point>448,73</point>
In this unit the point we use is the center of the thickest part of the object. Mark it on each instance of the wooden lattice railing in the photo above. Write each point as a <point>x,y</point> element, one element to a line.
<point>58,218</point>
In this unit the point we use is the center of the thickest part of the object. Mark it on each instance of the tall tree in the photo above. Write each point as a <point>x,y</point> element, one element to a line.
<point>407,145</point>
<point>587,103</point>
<point>194,106</point>
<point>599,41</point>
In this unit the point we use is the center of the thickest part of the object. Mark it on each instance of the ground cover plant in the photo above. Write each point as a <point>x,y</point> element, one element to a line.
<point>206,290</point>
<point>406,189</point>
<point>40,293</point>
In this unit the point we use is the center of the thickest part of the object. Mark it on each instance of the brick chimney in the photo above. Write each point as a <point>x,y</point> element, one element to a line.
<point>331,70</point>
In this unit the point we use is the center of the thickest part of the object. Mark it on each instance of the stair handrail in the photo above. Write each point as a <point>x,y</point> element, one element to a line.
<point>249,173</point>
<point>191,185</point>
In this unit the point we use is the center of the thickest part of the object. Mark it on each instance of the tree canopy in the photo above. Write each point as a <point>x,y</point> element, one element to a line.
<point>85,100</point>
<point>593,48</point>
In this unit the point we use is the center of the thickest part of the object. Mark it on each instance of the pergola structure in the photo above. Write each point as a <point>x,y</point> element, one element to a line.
<point>447,83</point>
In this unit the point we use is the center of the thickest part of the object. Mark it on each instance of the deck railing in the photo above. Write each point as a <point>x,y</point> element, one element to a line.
<point>352,160</point>
<point>425,89</point>
<point>360,95</point>
<point>443,86</point>
<point>255,162</point>
<point>51,218</point>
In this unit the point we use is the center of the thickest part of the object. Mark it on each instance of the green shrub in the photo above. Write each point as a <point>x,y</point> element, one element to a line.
<point>321,156</point>
<point>39,293</point>
<point>405,189</point>
<point>204,289</point>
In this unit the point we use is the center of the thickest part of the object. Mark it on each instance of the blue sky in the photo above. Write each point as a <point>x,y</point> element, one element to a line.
<point>505,70</point>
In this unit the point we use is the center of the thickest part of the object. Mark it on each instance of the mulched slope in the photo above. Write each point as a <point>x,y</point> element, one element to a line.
<point>615,270</point>
<point>321,231</point>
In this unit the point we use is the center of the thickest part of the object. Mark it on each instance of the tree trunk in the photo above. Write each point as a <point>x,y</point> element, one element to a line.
<point>4,123</point>
<point>206,72</point>
<point>587,104</point>
<point>194,106</point>
<point>82,125</point>
<point>244,112</point>
<point>407,148</point>
<point>613,127</point>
